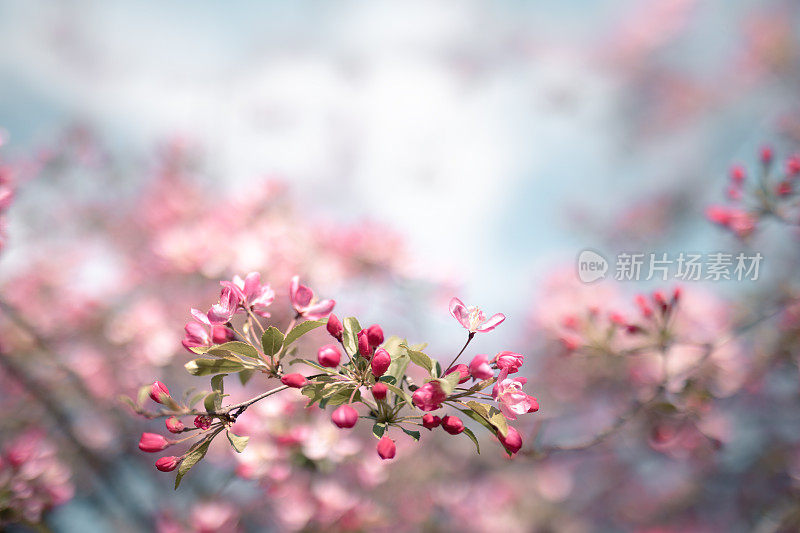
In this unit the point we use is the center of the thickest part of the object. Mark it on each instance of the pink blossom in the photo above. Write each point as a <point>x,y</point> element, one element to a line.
<point>463,371</point>
<point>197,333</point>
<point>158,392</point>
<point>472,318</point>
<point>509,361</point>
<point>512,441</point>
<point>251,293</point>
<point>508,393</point>
<point>379,391</point>
<point>479,367</point>
<point>375,335</point>
<point>203,422</point>
<point>344,416</point>
<point>296,381</point>
<point>174,425</point>
<point>452,424</point>
<point>223,311</point>
<point>386,448</point>
<point>306,304</point>
<point>153,442</point>
<point>168,464</point>
<point>329,356</point>
<point>334,327</point>
<point>430,421</point>
<point>380,363</point>
<point>429,397</point>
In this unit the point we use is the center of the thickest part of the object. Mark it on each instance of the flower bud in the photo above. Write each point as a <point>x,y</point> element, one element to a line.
<point>479,368</point>
<point>534,404</point>
<point>461,369</point>
<point>153,442</point>
<point>174,425</point>
<point>158,391</point>
<point>221,334</point>
<point>766,155</point>
<point>375,335</point>
<point>430,421</point>
<point>203,422</point>
<point>363,344</point>
<point>510,361</point>
<point>386,448</point>
<point>168,464</point>
<point>296,381</point>
<point>329,356</point>
<point>334,327</point>
<point>452,424</point>
<point>379,390</point>
<point>512,441</point>
<point>380,362</point>
<point>344,416</point>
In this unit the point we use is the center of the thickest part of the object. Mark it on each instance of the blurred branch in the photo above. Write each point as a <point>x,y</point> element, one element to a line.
<point>621,420</point>
<point>101,469</point>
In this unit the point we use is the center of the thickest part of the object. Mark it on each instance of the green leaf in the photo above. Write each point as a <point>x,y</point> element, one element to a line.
<point>314,365</point>
<point>314,393</point>
<point>195,455</point>
<point>473,438</point>
<point>378,429</point>
<point>413,434</point>
<point>341,397</point>
<point>272,341</point>
<point>301,329</point>
<point>400,359</point>
<point>245,375</point>
<point>207,367</point>
<point>238,443</point>
<point>479,419</point>
<point>350,335</point>
<point>449,382</point>
<point>400,393</point>
<point>421,359</point>
<point>196,398</point>
<point>142,395</point>
<point>236,348</point>
<point>129,402</point>
<point>492,415</point>
<point>212,401</point>
<point>217,384</point>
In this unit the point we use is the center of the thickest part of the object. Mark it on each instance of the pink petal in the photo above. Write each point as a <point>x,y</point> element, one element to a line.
<point>233,292</point>
<point>293,286</point>
<point>459,312</point>
<point>303,296</point>
<point>251,284</point>
<point>319,310</point>
<point>200,316</point>
<point>492,323</point>
<point>219,314</point>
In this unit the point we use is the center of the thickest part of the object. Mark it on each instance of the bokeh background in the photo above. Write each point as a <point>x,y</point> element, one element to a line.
<point>396,154</point>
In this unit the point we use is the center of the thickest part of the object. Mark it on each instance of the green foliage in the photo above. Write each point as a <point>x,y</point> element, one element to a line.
<point>272,341</point>
<point>301,329</point>
<point>208,367</point>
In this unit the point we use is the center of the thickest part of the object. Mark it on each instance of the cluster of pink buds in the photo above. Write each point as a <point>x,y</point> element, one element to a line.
<point>596,334</point>
<point>32,479</point>
<point>768,193</point>
<point>362,375</point>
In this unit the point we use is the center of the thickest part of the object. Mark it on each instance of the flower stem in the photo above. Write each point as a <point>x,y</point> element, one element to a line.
<point>469,339</point>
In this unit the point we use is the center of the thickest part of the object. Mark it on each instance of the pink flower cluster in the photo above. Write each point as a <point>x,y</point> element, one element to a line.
<point>32,478</point>
<point>768,194</point>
